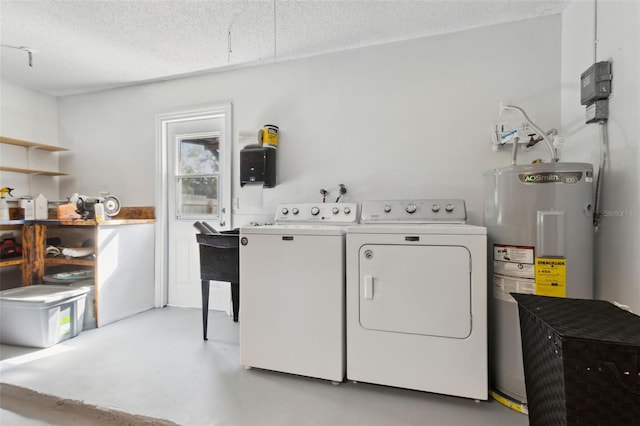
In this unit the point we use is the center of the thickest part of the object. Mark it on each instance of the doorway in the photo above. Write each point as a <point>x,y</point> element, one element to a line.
<point>193,184</point>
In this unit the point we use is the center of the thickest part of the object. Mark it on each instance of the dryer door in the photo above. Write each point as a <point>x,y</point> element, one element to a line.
<point>416,289</point>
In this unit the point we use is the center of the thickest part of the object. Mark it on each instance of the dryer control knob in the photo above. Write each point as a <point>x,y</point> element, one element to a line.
<point>449,207</point>
<point>347,210</point>
<point>285,210</point>
<point>387,208</point>
<point>435,208</point>
<point>411,208</point>
<point>315,211</point>
<point>335,210</point>
<point>295,210</point>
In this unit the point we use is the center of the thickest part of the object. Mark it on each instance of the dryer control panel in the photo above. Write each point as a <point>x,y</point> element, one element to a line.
<point>329,213</point>
<point>414,211</point>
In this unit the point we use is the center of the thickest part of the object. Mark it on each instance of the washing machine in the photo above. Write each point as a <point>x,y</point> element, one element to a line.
<point>417,298</point>
<point>292,279</point>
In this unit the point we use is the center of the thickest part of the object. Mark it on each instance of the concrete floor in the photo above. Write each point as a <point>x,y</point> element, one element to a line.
<point>22,406</point>
<point>156,364</point>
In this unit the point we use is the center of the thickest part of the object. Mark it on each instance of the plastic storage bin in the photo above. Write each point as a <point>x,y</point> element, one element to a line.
<point>79,279</point>
<point>581,361</point>
<point>90,303</point>
<point>41,315</point>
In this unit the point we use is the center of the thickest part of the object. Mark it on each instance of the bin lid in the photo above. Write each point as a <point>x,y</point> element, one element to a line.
<point>83,283</point>
<point>42,293</point>
<point>74,275</point>
<point>64,281</point>
<point>583,318</point>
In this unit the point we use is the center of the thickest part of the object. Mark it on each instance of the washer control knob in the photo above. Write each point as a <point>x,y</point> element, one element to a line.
<point>411,208</point>
<point>435,208</point>
<point>387,208</point>
<point>295,210</point>
<point>335,210</point>
<point>285,210</point>
<point>315,211</point>
<point>449,207</point>
<point>347,210</point>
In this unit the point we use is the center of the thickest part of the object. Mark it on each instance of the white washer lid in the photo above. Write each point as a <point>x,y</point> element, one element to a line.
<point>42,293</point>
<point>319,230</point>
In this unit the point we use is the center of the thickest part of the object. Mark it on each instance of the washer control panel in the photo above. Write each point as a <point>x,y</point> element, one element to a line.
<point>330,213</point>
<point>414,211</point>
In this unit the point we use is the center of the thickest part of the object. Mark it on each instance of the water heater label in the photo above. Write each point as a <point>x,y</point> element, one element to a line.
<point>503,286</point>
<point>551,276</point>
<point>513,271</point>
<point>551,177</point>
<point>515,254</point>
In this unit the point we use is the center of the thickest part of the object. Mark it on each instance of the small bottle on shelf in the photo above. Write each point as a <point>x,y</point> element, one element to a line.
<point>99,212</point>
<point>42,208</point>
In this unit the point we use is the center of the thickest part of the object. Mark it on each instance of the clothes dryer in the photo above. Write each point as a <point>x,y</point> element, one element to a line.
<point>292,315</point>
<point>417,298</point>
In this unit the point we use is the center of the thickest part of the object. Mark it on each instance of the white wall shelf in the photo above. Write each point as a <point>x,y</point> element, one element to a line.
<point>27,144</point>
<point>30,171</point>
<point>30,145</point>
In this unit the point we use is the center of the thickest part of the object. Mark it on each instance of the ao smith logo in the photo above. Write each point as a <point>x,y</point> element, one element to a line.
<point>538,178</point>
<point>550,177</point>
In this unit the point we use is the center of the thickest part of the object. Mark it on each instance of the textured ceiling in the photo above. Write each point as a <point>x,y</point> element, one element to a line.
<point>83,46</point>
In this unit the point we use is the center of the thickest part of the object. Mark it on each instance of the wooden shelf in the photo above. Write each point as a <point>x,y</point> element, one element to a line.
<point>49,261</point>
<point>30,171</point>
<point>11,262</point>
<point>11,225</point>
<point>27,144</point>
<point>129,245</point>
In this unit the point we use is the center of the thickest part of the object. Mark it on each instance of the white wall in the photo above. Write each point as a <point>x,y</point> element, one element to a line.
<point>28,115</point>
<point>31,116</point>
<point>409,119</point>
<point>616,269</point>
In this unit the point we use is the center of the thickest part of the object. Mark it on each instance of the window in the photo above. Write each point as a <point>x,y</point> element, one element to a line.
<point>198,175</point>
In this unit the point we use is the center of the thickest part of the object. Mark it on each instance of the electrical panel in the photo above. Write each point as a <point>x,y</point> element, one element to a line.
<point>595,88</point>
<point>597,111</point>
<point>595,83</point>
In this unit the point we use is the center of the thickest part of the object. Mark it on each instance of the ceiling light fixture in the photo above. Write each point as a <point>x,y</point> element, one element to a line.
<point>30,52</point>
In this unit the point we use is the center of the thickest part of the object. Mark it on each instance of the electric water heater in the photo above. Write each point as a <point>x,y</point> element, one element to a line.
<point>539,220</point>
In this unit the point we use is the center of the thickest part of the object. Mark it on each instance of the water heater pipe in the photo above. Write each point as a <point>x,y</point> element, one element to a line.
<point>539,131</point>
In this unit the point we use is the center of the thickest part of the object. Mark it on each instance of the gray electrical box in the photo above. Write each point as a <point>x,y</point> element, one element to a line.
<point>595,83</point>
<point>597,111</point>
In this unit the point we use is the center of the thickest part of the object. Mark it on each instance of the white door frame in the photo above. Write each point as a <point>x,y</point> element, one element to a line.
<point>162,170</point>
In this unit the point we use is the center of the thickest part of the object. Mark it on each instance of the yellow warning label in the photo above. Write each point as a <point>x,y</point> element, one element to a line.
<point>551,276</point>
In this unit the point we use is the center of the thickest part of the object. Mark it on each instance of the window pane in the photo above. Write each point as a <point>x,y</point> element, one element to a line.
<point>199,156</point>
<point>198,196</point>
